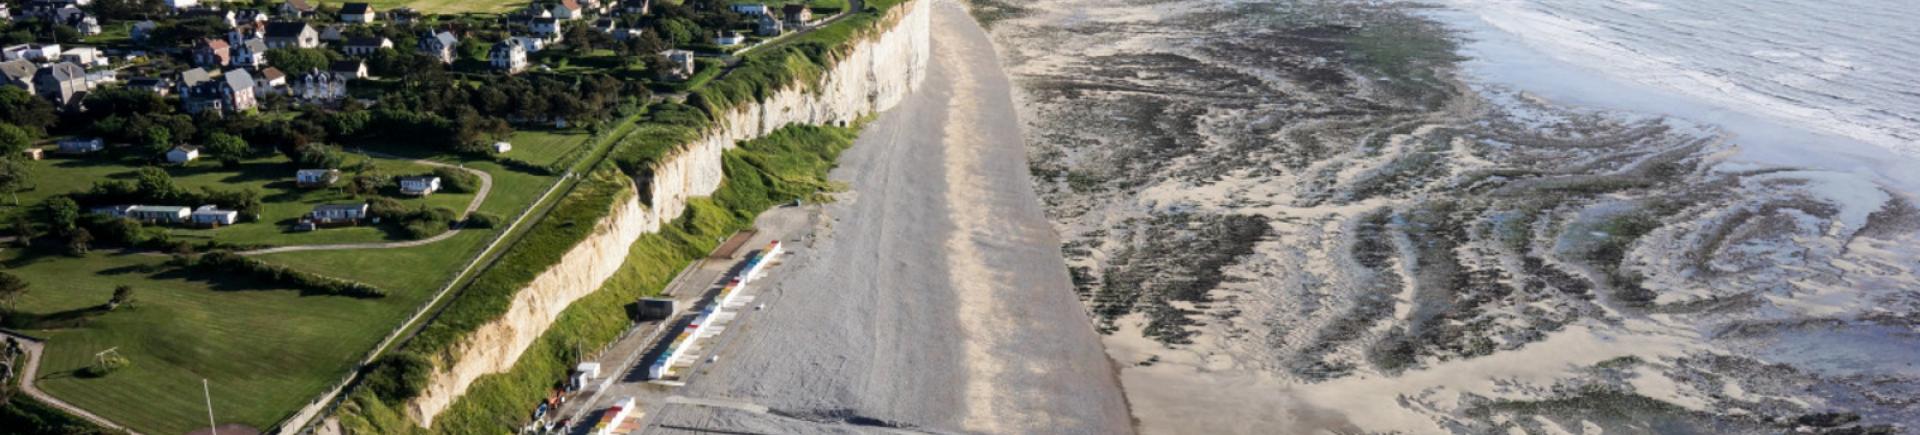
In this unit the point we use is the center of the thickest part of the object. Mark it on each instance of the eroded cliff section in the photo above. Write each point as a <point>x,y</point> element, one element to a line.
<point>874,75</point>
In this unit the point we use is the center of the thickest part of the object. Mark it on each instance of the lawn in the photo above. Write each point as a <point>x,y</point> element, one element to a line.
<point>266,351</point>
<point>543,147</point>
<point>446,6</point>
<point>283,203</point>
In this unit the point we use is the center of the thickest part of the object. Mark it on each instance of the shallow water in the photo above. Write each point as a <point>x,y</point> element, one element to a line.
<point>1803,83</point>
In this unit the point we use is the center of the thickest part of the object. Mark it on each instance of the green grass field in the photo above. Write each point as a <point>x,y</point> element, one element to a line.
<point>542,147</point>
<point>266,351</point>
<point>444,6</point>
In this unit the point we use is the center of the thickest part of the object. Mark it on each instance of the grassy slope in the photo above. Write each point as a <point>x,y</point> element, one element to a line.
<point>266,351</point>
<point>542,147</point>
<point>444,6</point>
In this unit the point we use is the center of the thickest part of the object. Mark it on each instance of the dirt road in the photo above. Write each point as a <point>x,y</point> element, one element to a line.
<point>932,296</point>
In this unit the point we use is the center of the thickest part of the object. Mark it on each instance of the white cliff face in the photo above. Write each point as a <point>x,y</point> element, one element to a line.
<point>874,76</point>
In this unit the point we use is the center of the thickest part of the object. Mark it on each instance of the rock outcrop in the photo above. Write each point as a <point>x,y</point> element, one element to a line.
<point>873,75</point>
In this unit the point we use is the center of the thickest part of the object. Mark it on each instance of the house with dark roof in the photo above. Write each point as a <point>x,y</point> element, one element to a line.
<point>439,44</point>
<point>318,86</point>
<point>270,81</point>
<point>326,214</point>
<point>365,46</point>
<point>361,13</point>
<point>191,78</point>
<point>349,69</point>
<point>212,52</point>
<point>232,92</point>
<point>251,53</point>
<point>797,15</point>
<point>156,85</point>
<point>63,83</point>
<point>296,8</point>
<point>19,73</point>
<point>292,35</point>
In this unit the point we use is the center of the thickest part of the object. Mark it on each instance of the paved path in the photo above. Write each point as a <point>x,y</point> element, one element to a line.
<point>936,299</point>
<point>30,372</point>
<point>486,188</point>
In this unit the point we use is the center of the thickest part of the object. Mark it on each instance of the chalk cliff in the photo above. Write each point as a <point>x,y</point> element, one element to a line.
<point>873,75</point>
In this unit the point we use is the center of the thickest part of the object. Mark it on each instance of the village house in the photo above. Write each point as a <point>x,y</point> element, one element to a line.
<point>84,56</point>
<point>419,186</point>
<point>81,145</point>
<point>312,178</point>
<point>62,83</point>
<point>754,9</point>
<point>333,34</point>
<point>292,35</point>
<point>798,16</point>
<point>270,81</point>
<point>508,56</point>
<point>440,45</point>
<point>191,78</point>
<point>252,53</point>
<point>183,154</point>
<point>143,30</point>
<point>636,7</point>
<point>361,13</point>
<point>319,87</point>
<point>211,53</point>
<point>767,25</point>
<point>162,214</point>
<point>530,43</point>
<point>34,153</point>
<point>181,4</point>
<point>349,69</point>
<point>682,64</point>
<point>85,24</point>
<point>19,73</point>
<point>34,52</point>
<point>16,52</point>
<point>568,10</point>
<point>251,17</point>
<point>225,16</point>
<point>728,39</point>
<point>233,92</point>
<point>502,147</point>
<point>6,13</point>
<point>546,28</point>
<point>328,214</point>
<point>296,8</point>
<point>118,211</point>
<point>210,216</point>
<point>365,46</point>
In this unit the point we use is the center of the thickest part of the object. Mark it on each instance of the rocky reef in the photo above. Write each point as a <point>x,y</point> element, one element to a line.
<point>1299,209</point>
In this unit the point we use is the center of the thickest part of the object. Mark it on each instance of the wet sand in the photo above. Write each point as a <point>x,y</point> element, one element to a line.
<point>930,297</point>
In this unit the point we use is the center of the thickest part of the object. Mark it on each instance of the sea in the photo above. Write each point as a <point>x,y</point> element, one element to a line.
<point>1830,84</point>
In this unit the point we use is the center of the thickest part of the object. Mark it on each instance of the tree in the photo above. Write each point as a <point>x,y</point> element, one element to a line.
<point>11,288</point>
<point>23,109</point>
<point>79,242</point>
<point>298,60</point>
<point>154,183</point>
<point>60,214</point>
<point>14,177</point>
<point>23,231</point>
<point>121,295</point>
<point>13,140</point>
<point>229,148</point>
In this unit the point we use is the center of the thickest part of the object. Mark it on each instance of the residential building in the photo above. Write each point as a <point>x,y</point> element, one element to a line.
<point>502,147</point>
<point>17,52</point>
<point>252,53</point>
<point>755,9</point>
<point>508,56</point>
<point>728,39</point>
<point>333,33</point>
<point>311,178</point>
<point>142,30</point>
<point>19,73</point>
<point>63,83</point>
<point>270,81</point>
<point>682,61</point>
<point>638,7</point>
<point>232,92</point>
<point>296,8</point>
<point>164,214</point>
<point>212,53</point>
<point>34,153</point>
<point>338,213</point>
<point>118,211</point>
<point>319,87</point>
<point>251,17</point>
<point>361,13</point>
<point>419,186</point>
<point>225,16</point>
<point>181,4</point>
<point>292,35</point>
<point>440,44</point>
<point>210,216</point>
<point>545,27</point>
<point>84,56</point>
<point>767,25</point>
<point>797,14</point>
<point>6,13</point>
<point>81,145</point>
<point>568,10</point>
<point>191,78</point>
<point>531,43</point>
<point>349,69</point>
<point>85,24</point>
<point>183,154</point>
<point>365,46</point>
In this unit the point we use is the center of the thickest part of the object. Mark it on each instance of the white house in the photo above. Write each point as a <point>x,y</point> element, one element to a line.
<point>183,154</point>
<point>728,39</point>
<point>357,13</point>
<point>502,147</point>
<point>419,186</point>
<point>682,61</point>
<point>211,216</point>
<point>508,56</point>
<point>569,10</point>
<point>158,213</point>
<point>755,9</point>
<point>365,46</point>
<point>349,69</point>
<point>181,4</point>
<point>338,213</point>
<point>81,145</point>
<point>546,27</point>
<point>84,56</point>
<point>316,177</point>
<point>440,45</point>
<point>292,35</point>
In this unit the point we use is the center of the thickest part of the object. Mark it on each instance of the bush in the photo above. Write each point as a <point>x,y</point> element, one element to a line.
<point>484,220</point>
<point>397,376</point>
<point>455,180</point>
<point>229,263</point>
